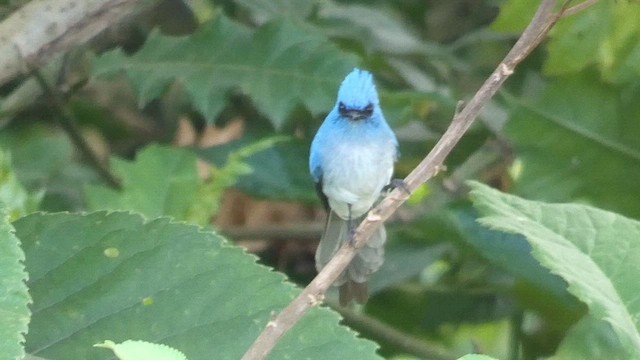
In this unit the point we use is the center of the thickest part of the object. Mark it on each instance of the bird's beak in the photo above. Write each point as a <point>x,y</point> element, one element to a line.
<point>354,115</point>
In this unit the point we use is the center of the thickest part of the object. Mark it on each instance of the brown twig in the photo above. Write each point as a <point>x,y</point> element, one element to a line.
<point>313,294</point>
<point>578,8</point>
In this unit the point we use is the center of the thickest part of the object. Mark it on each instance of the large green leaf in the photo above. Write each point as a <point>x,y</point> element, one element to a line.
<point>596,252</point>
<point>14,297</point>
<point>280,66</point>
<point>114,276</point>
<point>578,141</point>
<point>162,181</point>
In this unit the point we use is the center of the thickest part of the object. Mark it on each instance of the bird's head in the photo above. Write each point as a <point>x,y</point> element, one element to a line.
<point>357,97</point>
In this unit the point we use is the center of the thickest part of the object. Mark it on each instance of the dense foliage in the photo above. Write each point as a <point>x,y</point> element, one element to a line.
<point>135,168</point>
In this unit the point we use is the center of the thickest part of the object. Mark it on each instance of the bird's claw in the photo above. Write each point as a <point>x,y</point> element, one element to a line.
<point>397,184</point>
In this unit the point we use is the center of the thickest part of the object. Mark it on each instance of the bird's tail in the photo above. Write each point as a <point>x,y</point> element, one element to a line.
<point>352,281</point>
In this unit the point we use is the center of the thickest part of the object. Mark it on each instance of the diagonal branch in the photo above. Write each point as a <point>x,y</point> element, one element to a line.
<point>313,294</point>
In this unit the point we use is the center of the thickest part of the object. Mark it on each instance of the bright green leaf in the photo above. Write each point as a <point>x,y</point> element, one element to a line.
<point>167,283</point>
<point>596,252</point>
<point>280,66</point>
<point>161,181</point>
<point>14,297</point>
<point>476,357</point>
<point>142,350</point>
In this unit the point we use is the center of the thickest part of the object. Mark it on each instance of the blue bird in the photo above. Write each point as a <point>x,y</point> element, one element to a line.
<point>351,162</point>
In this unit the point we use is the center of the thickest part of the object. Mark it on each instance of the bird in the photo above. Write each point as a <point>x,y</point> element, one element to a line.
<point>351,161</point>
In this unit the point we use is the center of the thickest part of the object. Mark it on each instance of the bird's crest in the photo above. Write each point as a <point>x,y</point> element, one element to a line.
<point>358,90</point>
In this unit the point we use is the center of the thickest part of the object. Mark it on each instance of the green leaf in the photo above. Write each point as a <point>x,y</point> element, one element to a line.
<point>590,131</point>
<point>116,276</point>
<point>476,357</point>
<point>14,295</point>
<point>142,350</point>
<point>596,252</point>
<point>606,35</point>
<point>590,338</point>
<point>280,66</point>
<point>44,159</point>
<point>162,181</point>
<point>512,253</point>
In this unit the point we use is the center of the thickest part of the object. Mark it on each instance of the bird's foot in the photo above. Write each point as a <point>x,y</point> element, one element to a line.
<point>397,184</point>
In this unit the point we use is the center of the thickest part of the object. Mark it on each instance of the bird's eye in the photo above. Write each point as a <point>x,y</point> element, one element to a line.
<point>342,108</point>
<point>368,110</point>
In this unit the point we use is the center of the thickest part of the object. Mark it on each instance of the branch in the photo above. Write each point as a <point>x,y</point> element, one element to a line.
<point>313,294</point>
<point>67,121</point>
<point>42,28</point>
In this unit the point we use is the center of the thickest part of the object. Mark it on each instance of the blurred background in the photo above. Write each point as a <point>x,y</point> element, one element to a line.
<point>245,84</point>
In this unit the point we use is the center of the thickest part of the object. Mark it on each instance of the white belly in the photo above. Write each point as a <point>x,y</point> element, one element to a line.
<point>356,176</point>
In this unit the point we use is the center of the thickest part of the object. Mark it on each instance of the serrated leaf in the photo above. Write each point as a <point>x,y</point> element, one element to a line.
<point>595,251</point>
<point>142,350</point>
<point>590,131</point>
<point>116,276</point>
<point>280,66</point>
<point>14,295</point>
<point>161,181</point>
